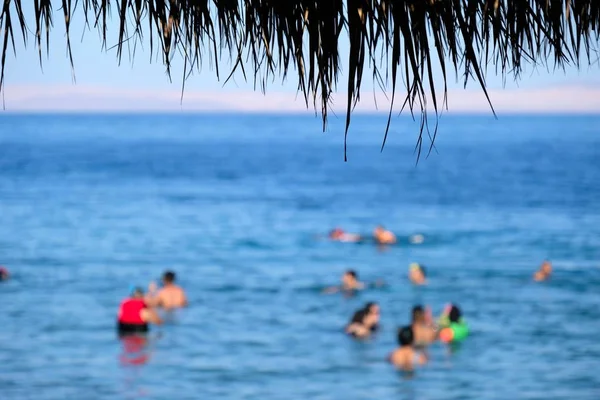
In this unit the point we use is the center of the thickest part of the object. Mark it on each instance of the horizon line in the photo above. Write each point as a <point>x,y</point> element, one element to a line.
<point>561,99</point>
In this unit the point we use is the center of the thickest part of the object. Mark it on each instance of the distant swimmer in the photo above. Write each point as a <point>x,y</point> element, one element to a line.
<point>423,328</point>
<point>351,283</point>
<point>170,296</point>
<point>417,274</point>
<point>4,275</point>
<point>544,272</point>
<point>416,239</point>
<point>453,326</point>
<point>339,235</point>
<point>135,315</point>
<point>406,357</point>
<point>383,236</point>
<point>364,321</point>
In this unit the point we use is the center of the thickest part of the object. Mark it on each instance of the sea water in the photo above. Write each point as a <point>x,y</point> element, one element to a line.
<point>238,206</point>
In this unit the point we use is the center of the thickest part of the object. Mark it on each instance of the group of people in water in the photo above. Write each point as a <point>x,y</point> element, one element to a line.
<point>413,339</point>
<point>380,236</point>
<point>423,330</point>
<point>139,309</point>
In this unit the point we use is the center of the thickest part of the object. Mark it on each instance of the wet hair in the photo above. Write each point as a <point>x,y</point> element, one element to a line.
<point>352,273</point>
<point>454,314</point>
<point>423,270</point>
<point>358,316</point>
<point>169,276</point>
<point>368,306</point>
<point>418,312</point>
<point>405,336</point>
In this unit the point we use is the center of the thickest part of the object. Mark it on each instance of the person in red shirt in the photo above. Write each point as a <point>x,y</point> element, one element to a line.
<point>135,315</point>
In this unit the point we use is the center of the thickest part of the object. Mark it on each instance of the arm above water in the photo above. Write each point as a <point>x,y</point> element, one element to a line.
<point>358,330</point>
<point>151,316</point>
<point>152,297</point>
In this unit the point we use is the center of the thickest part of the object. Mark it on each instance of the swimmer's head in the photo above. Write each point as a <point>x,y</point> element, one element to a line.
<point>3,273</point>
<point>418,314</point>
<point>417,272</point>
<point>349,278</point>
<point>169,277</point>
<point>454,314</point>
<point>372,308</point>
<point>405,336</point>
<point>359,316</point>
<point>136,292</point>
<point>546,267</point>
<point>336,233</point>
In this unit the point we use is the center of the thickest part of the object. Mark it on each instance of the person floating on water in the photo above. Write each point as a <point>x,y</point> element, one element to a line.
<point>351,283</point>
<point>339,235</point>
<point>416,239</point>
<point>365,321</point>
<point>417,274</point>
<point>170,296</point>
<point>453,328</point>
<point>4,275</point>
<point>423,327</point>
<point>406,357</point>
<point>544,272</point>
<point>135,315</point>
<point>383,236</point>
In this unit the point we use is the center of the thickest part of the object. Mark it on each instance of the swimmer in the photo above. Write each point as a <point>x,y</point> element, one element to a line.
<point>340,236</point>
<point>364,321</point>
<point>416,239</point>
<point>383,236</point>
<point>350,283</point>
<point>170,296</point>
<point>4,275</point>
<point>405,357</point>
<point>454,328</point>
<point>423,328</point>
<point>135,315</point>
<point>544,272</point>
<point>417,274</point>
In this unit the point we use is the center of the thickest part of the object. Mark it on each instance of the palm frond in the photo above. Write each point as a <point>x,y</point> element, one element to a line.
<point>400,40</point>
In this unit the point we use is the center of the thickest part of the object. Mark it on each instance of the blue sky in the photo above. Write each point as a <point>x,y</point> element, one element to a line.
<point>102,83</point>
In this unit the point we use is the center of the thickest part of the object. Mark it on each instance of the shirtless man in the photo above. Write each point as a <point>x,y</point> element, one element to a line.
<point>424,331</point>
<point>544,272</point>
<point>405,357</point>
<point>351,283</point>
<point>383,236</point>
<point>170,296</point>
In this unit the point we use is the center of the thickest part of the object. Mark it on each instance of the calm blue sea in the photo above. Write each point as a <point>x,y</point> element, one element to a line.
<point>237,204</point>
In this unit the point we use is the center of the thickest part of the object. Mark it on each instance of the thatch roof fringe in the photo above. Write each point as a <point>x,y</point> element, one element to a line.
<point>400,40</point>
